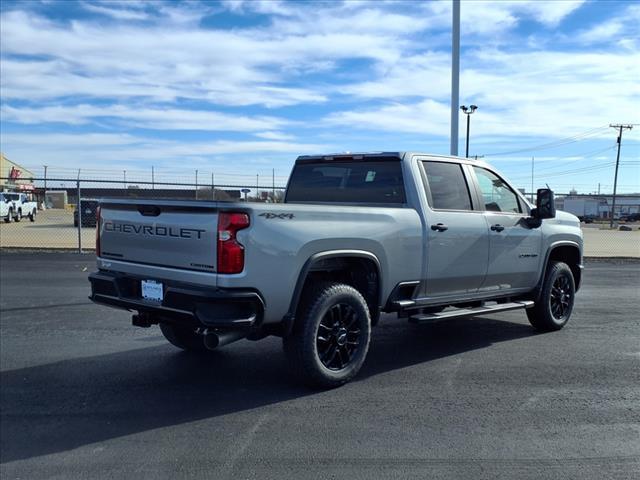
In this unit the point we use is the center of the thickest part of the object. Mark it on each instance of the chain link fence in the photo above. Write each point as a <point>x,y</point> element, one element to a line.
<point>59,224</point>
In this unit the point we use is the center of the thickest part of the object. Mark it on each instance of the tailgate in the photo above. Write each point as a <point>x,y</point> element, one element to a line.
<point>169,234</point>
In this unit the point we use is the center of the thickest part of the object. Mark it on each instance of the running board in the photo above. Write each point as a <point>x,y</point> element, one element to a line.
<point>470,312</point>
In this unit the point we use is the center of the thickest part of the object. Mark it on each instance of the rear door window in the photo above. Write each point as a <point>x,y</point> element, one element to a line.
<point>375,182</point>
<point>448,189</point>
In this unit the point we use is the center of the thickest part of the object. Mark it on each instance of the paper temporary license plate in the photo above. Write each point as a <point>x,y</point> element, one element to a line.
<point>152,290</point>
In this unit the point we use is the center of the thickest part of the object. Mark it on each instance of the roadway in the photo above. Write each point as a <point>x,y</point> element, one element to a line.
<point>83,394</point>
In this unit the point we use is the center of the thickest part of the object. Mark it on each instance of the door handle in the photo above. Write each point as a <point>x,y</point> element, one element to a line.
<point>440,227</point>
<point>497,227</point>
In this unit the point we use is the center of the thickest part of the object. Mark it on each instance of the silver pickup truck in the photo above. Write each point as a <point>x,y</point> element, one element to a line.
<point>428,237</point>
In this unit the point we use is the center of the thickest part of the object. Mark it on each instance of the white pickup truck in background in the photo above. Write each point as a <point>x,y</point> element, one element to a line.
<point>15,206</point>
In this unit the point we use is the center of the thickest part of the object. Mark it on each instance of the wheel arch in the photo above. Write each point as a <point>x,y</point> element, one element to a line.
<point>567,252</point>
<point>358,268</point>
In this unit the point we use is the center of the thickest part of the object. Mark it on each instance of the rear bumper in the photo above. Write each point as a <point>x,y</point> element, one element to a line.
<point>199,306</point>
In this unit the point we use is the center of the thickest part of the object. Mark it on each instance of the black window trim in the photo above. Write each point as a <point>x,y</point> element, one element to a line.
<point>524,208</point>
<point>427,189</point>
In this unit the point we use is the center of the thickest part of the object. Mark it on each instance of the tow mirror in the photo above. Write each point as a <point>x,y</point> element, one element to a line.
<point>545,204</point>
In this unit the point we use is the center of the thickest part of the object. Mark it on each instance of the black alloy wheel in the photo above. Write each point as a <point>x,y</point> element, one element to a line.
<point>554,306</point>
<point>561,298</point>
<point>338,336</point>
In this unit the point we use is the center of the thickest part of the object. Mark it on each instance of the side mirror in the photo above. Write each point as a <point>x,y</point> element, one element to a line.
<point>545,204</point>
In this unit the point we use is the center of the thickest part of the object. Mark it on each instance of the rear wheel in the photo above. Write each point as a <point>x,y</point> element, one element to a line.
<point>553,309</point>
<point>18,216</point>
<point>181,337</point>
<point>32,216</point>
<point>330,339</point>
<point>9,216</point>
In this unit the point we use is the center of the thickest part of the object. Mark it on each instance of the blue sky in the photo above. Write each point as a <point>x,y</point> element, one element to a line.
<point>241,87</point>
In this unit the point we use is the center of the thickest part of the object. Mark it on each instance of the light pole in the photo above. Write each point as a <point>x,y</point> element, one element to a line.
<point>468,111</point>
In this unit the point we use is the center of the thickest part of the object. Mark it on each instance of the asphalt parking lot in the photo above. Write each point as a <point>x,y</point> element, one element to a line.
<point>85,395</point>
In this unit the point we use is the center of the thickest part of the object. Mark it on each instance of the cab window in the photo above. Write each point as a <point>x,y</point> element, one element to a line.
<point>448,188</point>
<point>497,196</point>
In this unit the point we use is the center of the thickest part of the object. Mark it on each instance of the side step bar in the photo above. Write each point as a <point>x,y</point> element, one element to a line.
<point>470,312</point>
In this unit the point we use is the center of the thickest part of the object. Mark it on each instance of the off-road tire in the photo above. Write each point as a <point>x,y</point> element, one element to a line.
<point>183,338</point>
<point>32,216</point>
<point>554,306</point>
<point>324,304</point>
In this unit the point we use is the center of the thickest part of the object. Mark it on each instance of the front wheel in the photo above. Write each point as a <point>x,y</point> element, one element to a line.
<point>9,217</point>
<point>553,309</point>
<point>181,337</point>
<point>32,216</point>
<point>330,337</point>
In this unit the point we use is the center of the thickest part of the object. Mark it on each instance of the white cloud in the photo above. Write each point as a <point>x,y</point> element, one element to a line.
<point>143,117</point>
<point>109,150</point>
<point>493,17</point>
<point>116,13</point>
<point>623,29</point>
<point>220,66</point>
<point>426,117</point>
<point>538,93</point>
<point>270,135</point>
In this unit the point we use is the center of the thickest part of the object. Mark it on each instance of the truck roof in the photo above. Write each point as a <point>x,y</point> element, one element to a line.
<point>375,155</point>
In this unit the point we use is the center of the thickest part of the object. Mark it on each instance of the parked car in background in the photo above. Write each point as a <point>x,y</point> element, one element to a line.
<point>631,217</point>
<point>21,206</point>
<point>587,218</point>
<point>89,209</point>
<point>6,208</point>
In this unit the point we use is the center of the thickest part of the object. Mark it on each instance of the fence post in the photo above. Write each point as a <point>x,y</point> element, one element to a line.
<point>79,210</point>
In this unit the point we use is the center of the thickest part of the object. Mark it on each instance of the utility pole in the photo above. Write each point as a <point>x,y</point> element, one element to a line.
<point>532,162</point>
<point>196,184</point>
<point>455,75</point>
<point>620,127</point>
<point>153,180</point>
<point>45,180</point>
<point>213,187</point>
<point>124,178</point>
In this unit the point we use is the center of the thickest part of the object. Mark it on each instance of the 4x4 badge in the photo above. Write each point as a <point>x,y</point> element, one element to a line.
<point>282,216</point>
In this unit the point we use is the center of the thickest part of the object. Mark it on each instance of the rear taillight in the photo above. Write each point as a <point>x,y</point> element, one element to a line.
<point>230,251</point>
<point>98,222</point>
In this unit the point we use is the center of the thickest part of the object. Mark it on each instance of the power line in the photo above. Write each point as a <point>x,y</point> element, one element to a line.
<point>557,143</point>
<point>591,168</point>
<point>583,156</point>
